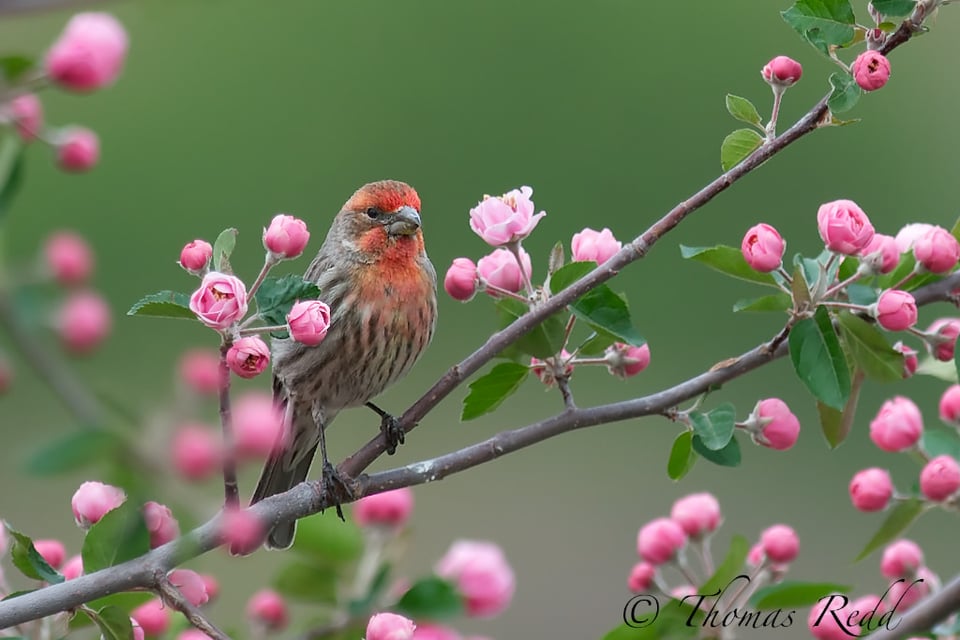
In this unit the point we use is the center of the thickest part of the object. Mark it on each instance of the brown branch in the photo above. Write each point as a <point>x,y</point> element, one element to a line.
<point>172,597</point>
<point>231,491</point>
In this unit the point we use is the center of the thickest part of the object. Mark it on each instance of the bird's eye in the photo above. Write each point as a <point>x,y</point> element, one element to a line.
<point>373,213</point>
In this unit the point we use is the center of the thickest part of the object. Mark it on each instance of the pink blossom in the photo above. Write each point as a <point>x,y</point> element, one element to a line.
<point>220,301</point>
<point>897,426</point>
<point>910,362</point>
<point>659,540</point>
<point>881,255</point>
<point>389,626</point>
<point>286,236</point>
<point>89,53</point>
<point>901,559</point>
<point>482,575</point>
<point>190,585</point>
<point>78,149</point>
<point>241,531</point>
<point>909,234</point>
<point>248,357</point>
<point>52,551</point>
<point>871,70</point>
<point>83,321</point>
<point>641,577</point>
<point>594,246</point>
<point>763,248</point>
<point>27,112</point>
<point>844,227</point>
<point>780,543</point>
<point>782,71</point>
<point>500,269</point>
<point>195,451</point>
<point>308,322</point>
<point>430,631</point>
<point>698,514</point>
<point>93,500</point>
<point>871,489</point>
<point>940,478</point>
<point>211,585</point>
<point>68,257</point>
<point>824,616</point>
<point>268,609</point>
<point>161,524</point>
<point>257,425</point>
<point>388,509</point>
<point>625,360</point>
<point>506,219</point>
<point>937,250</point>
<point>942,338</point>
<point>153,617</point>
<point>72,568</point>
<point>461,279</point>
<point>547,372</point>
<point>895,310</point>
<point>776,426</point>
<point>195,255</point>
<point>950,405</point>
<point>200,370</point>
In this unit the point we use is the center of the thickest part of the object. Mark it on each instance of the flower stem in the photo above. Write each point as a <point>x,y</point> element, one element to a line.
<point>231,491</point>
<point>514,248</point>
<point>252,331</point>
<point>268,264</point>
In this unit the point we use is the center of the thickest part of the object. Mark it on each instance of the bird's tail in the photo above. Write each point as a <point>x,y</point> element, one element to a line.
<point>279,476</point>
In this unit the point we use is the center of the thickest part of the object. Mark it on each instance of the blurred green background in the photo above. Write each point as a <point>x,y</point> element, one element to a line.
<point>229,112</point>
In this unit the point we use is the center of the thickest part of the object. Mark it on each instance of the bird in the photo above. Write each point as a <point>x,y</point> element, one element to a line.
<point>374,273</point>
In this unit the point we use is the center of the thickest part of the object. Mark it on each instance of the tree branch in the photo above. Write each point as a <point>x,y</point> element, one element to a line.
<point>172,597</point>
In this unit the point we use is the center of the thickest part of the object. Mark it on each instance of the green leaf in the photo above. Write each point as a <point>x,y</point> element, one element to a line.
<point>276,296</point>
<point>772,302</point>
<point>729,456</point>
<point>596,344</point>
<point>743,110</point>
<point>899,520</point>
<point>937,441</point>
<point>714,428</point>
<point>894,8</point>
<point>164,304</point>
<point>844,94</point>
<point>307,581</point>
<point>870,349</point>
<point>14,66</point>
<point>737,146</point>
<point>904,268</point>
<point>945,371</point>
<point>727,260</point>
<point>126,600</point>
<point>823,23</point>
<point>556,259</point>
<point>11,171</point>
<point>28,560</point>
<point>120,535</point>
<point>114,622</point>
<point>818,359</point>
<point>681,456</point>
<point>956,361</point>
<point>489,391</point>
<point>861,294</point>
<point>832,425</point>
<point>568,274</point>
<point>731,566</point>
<point>794,594</point>
<point>74,451</point>
<point>544,340</point>
<point>222,249</point>
<point>645,619</point>
<point>360,607</point>
<point>431,598</point>
<point>606,312</point>
<point>326,538</point>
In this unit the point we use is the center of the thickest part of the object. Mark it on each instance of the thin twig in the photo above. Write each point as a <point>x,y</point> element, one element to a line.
<point>231,491</point>
<point>172,597</point>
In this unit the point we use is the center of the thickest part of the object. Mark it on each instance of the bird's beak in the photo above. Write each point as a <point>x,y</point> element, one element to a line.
<point>404,222</point>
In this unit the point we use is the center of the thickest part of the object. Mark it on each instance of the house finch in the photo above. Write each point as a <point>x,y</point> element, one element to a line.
<point>374,273</point>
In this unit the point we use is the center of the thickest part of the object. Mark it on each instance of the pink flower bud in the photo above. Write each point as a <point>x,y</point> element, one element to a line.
<point>909,234</point>
<point>659,540</point>
<point>763,248</point>
<point>910,362</point>
<point>195,255</point>
<point>482,575</point>
<point>161,524</point>
<point>683,591</point>
<point>93,500</point>
<point>72,568</point>
<point>68,257</point>
<point>871,70</point>
<point>500,269</point>
<point>389,626</point>
<point>267,609</point>
<point>430,631</point>
<point>844,227</point>
<point>782,71</point>
<point>641,577</point>
<point>828,619</point>
<point>903,595</point>
<point>78,149</point>
<point>52,551</point>
<point>895,310</point>
<point>138,633</point>
<point>241,531</point>
<point>248,357</point>
<point>509,218</point>
<point>387,509</point>
<point>89,53</point>
<point>594,246</point>
<point>698,514</point>
<point>937,250</point>
<point>211,585</point>
<point>624,360</point>
<point>27,112</point>
<point>308,322</point>
<point>83,321</point>
<point>192,634</point>
<point>941,338</point>
<point>548,370</point>
<point>780,543</point>
<point>257,425</point>
<point>871,489</point>
<point>286,236</point>
<point>461,279</point>
<point>950,405</point>
<point>776,426</point>
<point>220,301</point>
<point>901,559</point>
<point>881,255</point>
<point>190,585</point>
<point>898,425</point>
<point>755,556</point>
<point>195,451</point>
<point>200,370</point>
<point>940,478</point>
<point>153,617</point>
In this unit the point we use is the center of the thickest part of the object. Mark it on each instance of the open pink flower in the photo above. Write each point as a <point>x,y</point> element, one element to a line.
<point>871,70</point>
<point>594,246</point>
<point>505,219</point>
<point>248,357</point>
<point>844,227</point>
<point>220,301</point>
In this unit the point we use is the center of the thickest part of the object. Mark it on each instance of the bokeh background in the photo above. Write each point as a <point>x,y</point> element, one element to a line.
<point>229,112</point>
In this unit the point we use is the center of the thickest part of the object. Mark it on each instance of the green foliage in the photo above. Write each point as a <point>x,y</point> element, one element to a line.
<point>832,424</point>
<point>897,521</point>
<point>727,260</point>
<point>823,23</point>
<point>276,296</point>
<point>870,349</point>
<point>728,456</point>
<point>120,535</point>
<point>669,622</point>
<point>894,8</point>
<point>28,560</point>
<point>114,623</point>
<point>844,94</point>
<point>772,302</point>
<point>715,428</point>
<point>568,274</point>
<point>937,441</point>
<point>731,566</point>
<point>11,170</point>
<point>794,594</point>
<point>164,304</point>
<point>542,341</point>
<point>681,456</point>
<point>488,391</point>
<point>607,313</point>
<point>308,581</point>
<point>818,359</point>
<point>431,598</point>
<point>74,451</point>
<point>737,146</point>
<point>327,540</point>
<point>223,247</point>
<point>13,67</point>
<point>743,110</point>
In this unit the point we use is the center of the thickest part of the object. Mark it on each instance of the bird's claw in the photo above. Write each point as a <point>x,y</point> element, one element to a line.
<point>392,432</point>
<point>336,490</point>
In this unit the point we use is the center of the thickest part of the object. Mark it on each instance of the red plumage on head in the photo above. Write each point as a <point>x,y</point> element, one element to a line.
<point>385,195</point>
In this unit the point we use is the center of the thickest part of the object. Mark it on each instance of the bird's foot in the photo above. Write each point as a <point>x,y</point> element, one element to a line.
<point>393,433</point>
<point>336,488</point>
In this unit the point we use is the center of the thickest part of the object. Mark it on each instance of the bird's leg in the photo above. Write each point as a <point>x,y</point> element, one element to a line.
<point>390,428</point>
<point>335,487</point>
